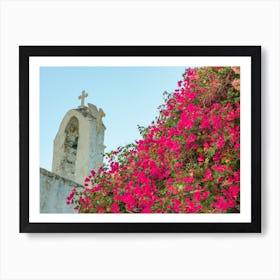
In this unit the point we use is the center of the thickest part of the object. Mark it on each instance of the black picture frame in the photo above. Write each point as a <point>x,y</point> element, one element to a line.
<point>254,52</point>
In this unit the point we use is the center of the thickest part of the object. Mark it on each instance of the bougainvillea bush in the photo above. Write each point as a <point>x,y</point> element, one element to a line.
<point>188,160</point>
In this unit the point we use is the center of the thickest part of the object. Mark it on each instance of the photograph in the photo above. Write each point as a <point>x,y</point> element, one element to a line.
<point>116,132</point>
<point>153,140</point>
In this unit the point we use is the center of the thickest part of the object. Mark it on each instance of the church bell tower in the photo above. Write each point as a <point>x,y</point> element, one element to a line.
<point>79,143</point>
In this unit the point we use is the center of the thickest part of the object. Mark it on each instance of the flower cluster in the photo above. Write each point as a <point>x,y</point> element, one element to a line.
<point>188,160</point>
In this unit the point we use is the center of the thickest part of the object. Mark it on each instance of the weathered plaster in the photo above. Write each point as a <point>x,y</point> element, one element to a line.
<point>54,190</point>
<point>90,144</point>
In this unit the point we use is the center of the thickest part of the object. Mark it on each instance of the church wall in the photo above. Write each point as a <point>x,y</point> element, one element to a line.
<point>83,157</point>
<point>90,144</point>
<point>54,190</point>
<point>82,160</point>
<point>97,147</point>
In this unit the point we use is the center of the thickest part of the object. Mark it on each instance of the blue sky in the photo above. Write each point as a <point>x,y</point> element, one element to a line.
<point>128,95</point>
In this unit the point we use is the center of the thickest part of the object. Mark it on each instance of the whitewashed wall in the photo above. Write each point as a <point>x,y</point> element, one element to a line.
<point>54,190</point>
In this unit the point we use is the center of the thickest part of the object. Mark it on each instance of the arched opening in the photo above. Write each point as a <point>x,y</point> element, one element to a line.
<point>70,148</point>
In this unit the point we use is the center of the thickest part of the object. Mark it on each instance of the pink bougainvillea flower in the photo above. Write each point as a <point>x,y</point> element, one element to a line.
<point>187,160</point>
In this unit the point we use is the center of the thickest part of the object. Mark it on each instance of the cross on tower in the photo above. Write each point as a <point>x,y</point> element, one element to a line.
<point>82,97</point>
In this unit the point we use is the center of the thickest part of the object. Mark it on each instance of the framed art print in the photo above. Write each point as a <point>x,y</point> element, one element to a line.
<point>140,138</point>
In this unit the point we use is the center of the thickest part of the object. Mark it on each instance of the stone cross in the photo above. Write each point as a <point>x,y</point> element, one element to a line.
<point>82,97</point>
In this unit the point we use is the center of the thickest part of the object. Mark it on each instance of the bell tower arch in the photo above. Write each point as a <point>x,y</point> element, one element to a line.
<point>79,143</point>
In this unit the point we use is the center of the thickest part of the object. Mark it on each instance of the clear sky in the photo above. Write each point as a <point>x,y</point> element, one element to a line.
<point>129,96</point>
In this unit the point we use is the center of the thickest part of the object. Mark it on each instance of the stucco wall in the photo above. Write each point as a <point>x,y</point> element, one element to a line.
<point>54,190</point>
<point>90,145</point>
